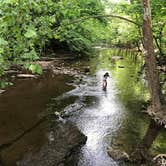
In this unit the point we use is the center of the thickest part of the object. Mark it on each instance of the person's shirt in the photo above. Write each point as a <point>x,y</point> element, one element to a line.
<point>105,78</point>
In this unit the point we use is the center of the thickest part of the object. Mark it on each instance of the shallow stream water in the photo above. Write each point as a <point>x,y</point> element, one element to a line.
<point>106,117</point>
<point>110,118</point>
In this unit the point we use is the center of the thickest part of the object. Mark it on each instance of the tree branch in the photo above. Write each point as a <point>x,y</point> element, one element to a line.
<point>100,16</point>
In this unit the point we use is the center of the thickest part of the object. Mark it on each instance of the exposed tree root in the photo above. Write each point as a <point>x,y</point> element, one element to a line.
<point>160,160</point>
<point>159,117</point>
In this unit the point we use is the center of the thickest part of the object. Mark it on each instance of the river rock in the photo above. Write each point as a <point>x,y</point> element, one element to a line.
<point>26,76</point>
<point>121,66</point>
<point>65,138</point>
<point>12,72</point>
<point>2,91</point>
<point>117,154</point>
<point>87,69</point>
<point>116,57</point>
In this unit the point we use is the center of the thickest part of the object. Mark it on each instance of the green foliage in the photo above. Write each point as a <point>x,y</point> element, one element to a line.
<point>123,33</point>
<point>79,36</point>
<point>158,8</point>
<point>35,68</point>
<point>26,26</point>
<point>133,11</point>
<point>5,83</point>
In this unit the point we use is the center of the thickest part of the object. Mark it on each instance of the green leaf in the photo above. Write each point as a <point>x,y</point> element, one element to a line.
<point>32,55</point>
<point>3,42</point>
<point>31,33</point>
<point>27,65</point>
<point>35,68</point>
<point>1,50</point>
<point>10,1</point>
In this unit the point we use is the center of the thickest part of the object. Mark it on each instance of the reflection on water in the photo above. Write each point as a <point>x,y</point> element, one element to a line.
<point>108,120</point>
<point>20,107</point>
<point>98,120</point>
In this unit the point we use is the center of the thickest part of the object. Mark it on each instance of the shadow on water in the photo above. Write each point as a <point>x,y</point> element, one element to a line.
<point>20,107</point>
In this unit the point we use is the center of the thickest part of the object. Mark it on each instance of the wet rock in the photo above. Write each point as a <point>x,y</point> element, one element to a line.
<point>117,154</point>
<point>87,69</point>
<point>46,65</point>
<point>121,66</point>
<point>12,72</point>
<point>26,76</point>
<point>47,58</point>
<point>65,138</point>
<point>116,57</point>
<point>2,91</point>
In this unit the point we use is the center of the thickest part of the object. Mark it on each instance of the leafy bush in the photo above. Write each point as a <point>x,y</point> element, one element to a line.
<point>26,26</point>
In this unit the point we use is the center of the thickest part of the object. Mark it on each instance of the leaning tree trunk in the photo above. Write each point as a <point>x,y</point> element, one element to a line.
<point>150,60</point>
<point>157,106</point>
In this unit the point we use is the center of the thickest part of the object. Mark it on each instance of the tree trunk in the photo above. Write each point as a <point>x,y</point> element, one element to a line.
<point>150,60</point>
<point>141,152</point>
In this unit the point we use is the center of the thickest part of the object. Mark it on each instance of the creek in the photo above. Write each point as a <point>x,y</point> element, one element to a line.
<point>111,118</point>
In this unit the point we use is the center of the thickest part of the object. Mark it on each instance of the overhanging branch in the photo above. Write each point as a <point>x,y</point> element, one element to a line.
<point>100,16</point>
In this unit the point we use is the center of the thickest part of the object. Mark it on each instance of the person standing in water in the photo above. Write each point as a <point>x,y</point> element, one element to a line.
<point>106,75</point>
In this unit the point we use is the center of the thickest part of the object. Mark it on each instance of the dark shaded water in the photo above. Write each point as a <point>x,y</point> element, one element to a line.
<point>20,109</point>
<point>110,118</point>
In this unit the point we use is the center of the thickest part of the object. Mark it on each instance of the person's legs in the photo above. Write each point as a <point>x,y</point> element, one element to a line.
<point>104,85</point>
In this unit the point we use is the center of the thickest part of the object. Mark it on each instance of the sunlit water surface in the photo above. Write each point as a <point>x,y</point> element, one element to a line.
<point>103,113</point>
<point>96,121</point>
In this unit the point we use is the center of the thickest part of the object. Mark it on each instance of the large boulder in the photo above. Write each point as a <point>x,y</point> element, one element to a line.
<point>63,140</point>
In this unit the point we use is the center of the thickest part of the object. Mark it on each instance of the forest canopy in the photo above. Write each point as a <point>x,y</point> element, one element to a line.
<point>29,29</point>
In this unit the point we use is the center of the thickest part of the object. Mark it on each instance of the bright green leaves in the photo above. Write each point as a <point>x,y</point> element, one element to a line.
<point>10,1</point>
<point>27,27</point>
<point>4,83</point>
<point>19,39</point>
<point>35,68</point>
<point>31,33</point>
<point>79,36</point>
<point>32,55</point>
<point>3,42</point>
